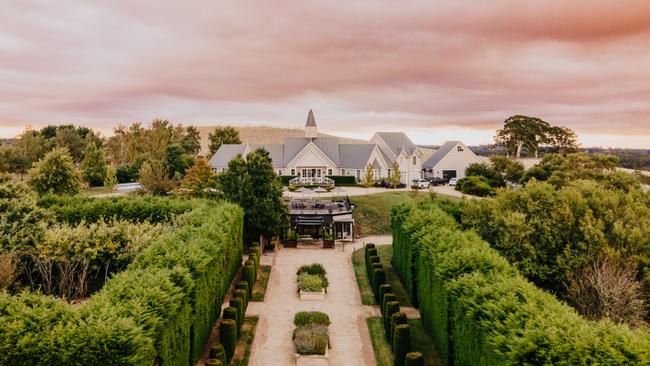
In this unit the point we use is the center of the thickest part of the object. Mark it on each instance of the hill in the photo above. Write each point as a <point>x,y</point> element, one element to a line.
<point>265,135</point>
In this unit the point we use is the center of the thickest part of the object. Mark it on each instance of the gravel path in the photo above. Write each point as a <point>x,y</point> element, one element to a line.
<point>348,331</point>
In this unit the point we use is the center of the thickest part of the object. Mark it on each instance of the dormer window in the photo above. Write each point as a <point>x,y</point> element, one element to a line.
<point>459,148</point>
<point>415,160</point>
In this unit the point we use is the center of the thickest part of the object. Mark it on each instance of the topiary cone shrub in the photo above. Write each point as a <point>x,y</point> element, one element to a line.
<point>395,320</point>
<point>371,260</point>
<point>378,279</point>
<point>388,297</point>
<point>401,344</point>
<point>371,278</point>
<point>244,295</point>
<point>248,275</point>
<point>384,289</point>
<point>217,351</point>
<point>414,359</point>
<point>243,285</point>
<point>391,308</point>
<point>213,362</point>
<point>228,337</point>
<point>255,259</point>
<point>231,313</point>
<point>370,253</point>
<point>238,303</point>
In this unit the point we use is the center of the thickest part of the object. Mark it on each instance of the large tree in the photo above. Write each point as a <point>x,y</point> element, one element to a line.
<point>191,141</point>
<point>93,165</point>
<point>522,131</point>
<point>56,174</point>
<point>253,184</point>
<point>222,135</point>
<point>562,139</point>
<point>395,176</point>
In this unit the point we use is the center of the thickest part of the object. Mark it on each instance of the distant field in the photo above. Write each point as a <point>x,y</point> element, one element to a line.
<point>265,135</point>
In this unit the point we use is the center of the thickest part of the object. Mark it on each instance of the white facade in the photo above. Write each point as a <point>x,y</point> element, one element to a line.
<point>451,160</point>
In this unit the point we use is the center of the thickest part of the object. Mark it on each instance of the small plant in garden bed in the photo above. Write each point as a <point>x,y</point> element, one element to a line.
<point>312,278</point>
<point>310,336</point>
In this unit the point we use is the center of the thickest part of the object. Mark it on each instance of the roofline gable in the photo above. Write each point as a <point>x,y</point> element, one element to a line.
<point>301,154</point>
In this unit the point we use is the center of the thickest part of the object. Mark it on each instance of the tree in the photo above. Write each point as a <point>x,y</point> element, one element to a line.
<point>31,147</point>
<point>223,135</point>
<point>562,139</point>
<point>200,177</point>
<point>154,178</point>
<point>369,177</point>
<point>177,161</point>
<point>110,181</point>
<point>395,175</point>
<point>56,174</point>
<point>93,165</point>
<point>253,185</point>
<point>521,131</point>
<point>508,170</point>
<point>191,141</point>
<point>475,185</point>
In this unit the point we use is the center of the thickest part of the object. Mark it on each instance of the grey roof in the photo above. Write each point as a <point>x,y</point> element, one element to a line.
<point>311,121</point>
<point>355,155</point>
<point>226,152</point>
<point>293,146</point>
<point>276,152</point>
<point>330,147</point>
<point>398,141</point>
<point>440,154</point>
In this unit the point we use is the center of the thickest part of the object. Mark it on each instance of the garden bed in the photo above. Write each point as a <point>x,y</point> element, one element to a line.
<point>310,338</point>
<point>259,290</point>
<point>312,282</point>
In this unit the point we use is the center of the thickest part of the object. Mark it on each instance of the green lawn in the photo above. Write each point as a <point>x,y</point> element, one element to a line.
<point>372,212</point>
<point>386,255</point>
<point>383,351</point>
<point>259,290</point>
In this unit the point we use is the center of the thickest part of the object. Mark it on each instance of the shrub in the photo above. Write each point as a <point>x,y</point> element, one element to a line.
<point>392,307</point>
<point>384,289</point>
<point>238,303</point>
<point>388,297</point>
<point>414,359</point>
<point>395,320</point>
<point>378,279</point>
<point>307,274</point>
<point>310,283</point>
<point>310,336</point>
<point>228,336</point>
<point>310,317</point>
<point>231,312</point>
<point>218,352</point>
<point>369,265</point>
<point>243,285</point>
<point>401,344</point>
<point>248,275</point>
<point>213,362</point>
<point>244,295</point>
<point>476,186</point>
<point>55,174</point>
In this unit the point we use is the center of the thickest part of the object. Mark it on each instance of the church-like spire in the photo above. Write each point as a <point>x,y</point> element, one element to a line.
<point>311,131</point>
<point>311,121</point>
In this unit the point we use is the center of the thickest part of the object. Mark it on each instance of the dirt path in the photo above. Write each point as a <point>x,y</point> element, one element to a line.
<point>348,331</point>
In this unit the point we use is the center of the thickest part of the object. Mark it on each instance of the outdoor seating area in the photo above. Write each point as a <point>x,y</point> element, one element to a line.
<point>307,206</point>
<point>315,222</point>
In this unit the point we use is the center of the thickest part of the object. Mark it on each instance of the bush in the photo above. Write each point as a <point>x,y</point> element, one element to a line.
<point>310,336</point>
<point>414,359</point>
<point>343,180</point>
<point>231,313</point>
<point>228,336</point>
<point>55,174</point>
<point>238,303</point>
<point>378,279</point>
<point>308,273</point>
<point>480,311</point>
<point>395,320</point>
<point>244,295</point>
<point>310,283</point>
<point>217,351</point>
<point>475,185</point>
<point>213,362</point>
<point>370,265</point>
<point>383,290</point>
<point>401,343</point>
<point>392,307</point>
<point>243,285</point>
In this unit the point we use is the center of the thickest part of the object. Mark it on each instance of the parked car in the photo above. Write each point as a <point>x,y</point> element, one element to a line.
<point>437,181</point>
<point>453,181</point>
<point>421,183</point>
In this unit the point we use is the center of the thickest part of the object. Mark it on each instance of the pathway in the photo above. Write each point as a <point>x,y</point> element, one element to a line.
<point>348,331</point>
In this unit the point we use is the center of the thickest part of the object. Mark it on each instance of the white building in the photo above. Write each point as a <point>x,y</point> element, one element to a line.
<point>450,161</point>
<point>317,157</point>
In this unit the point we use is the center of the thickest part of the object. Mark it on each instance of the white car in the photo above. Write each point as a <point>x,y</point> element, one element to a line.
<point>422,184</point>
<point>453,181</point>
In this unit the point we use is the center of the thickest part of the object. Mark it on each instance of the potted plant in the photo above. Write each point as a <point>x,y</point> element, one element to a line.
<point>312,282</point>
<point>328,239</point>
<point>291,239</point>
<point>310,338</point>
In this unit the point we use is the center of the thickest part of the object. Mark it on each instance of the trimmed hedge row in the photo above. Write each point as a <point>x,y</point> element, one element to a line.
<point>160,310</point>
<point>481,311</point>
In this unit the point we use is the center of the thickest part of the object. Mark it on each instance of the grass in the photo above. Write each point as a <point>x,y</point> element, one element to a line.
<point>386,255</point>
<point>383,351</point>
<point>245,342</point>
<point>372,212</point>
<point>259,290</point>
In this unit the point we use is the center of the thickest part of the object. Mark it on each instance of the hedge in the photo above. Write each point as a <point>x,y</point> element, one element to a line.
<point>160,310</point>
<point>480,311</point>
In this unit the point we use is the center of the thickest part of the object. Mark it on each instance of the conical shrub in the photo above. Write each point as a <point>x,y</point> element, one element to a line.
<point>401,344</point>
<point>378,279</point>
<point>243,285</point>
<point>384,289</point>
<point>391,308</point>
<point>244,295</point>
<point>228,337</point>
<point>370,253</point>
<point>414,359</point>
<point>238,303</point>
<point>252,263</point>
<point>369,266</point>
<point>248,275</point>
<point>387,298</point>
<point>395,320</point>
<point>231,313</point>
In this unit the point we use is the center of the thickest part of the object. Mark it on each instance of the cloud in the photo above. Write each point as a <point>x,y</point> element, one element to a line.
<point>415,64</point>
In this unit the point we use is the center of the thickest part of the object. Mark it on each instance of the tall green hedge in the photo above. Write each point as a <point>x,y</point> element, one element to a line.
<point>481,311</point>
<point>160,310</point>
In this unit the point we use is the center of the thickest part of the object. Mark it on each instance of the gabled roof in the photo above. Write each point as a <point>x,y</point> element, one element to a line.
<point>276,152</point>
<point>398,141</point>
<point>311,121</point>
<point>292,147</point>
<point>330,147</point>
<point>355,155</point>
<point>226,152</point>
<point>440,154</point>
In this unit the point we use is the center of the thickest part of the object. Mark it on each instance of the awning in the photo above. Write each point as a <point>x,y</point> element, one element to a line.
<point>309,220</point>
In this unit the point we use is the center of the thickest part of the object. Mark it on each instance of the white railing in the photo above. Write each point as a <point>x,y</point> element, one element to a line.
<point>316,181</point>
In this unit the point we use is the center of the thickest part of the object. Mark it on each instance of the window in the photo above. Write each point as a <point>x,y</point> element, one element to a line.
<point>358,174</point>
<point>459,148</point>
<point>342,171</point>
<point>279,171</point>
<point>415,160</point>
<point>293,171</point>
<point>388,172</point>
<point>329,171</point>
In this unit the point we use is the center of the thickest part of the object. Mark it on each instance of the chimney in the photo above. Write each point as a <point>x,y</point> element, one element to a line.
<point>311,131</point>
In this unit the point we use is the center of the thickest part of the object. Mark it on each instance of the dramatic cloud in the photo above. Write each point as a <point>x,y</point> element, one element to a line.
<point>421,66</point>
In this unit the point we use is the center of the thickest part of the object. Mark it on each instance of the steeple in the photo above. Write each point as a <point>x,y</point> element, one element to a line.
<point>311,131</point>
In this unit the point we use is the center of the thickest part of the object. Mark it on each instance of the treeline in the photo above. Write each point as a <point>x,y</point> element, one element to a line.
<point>159,311</point>
<point>481,311</point>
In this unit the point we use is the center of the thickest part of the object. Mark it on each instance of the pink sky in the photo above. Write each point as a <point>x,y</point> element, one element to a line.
<point>436,69</point>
